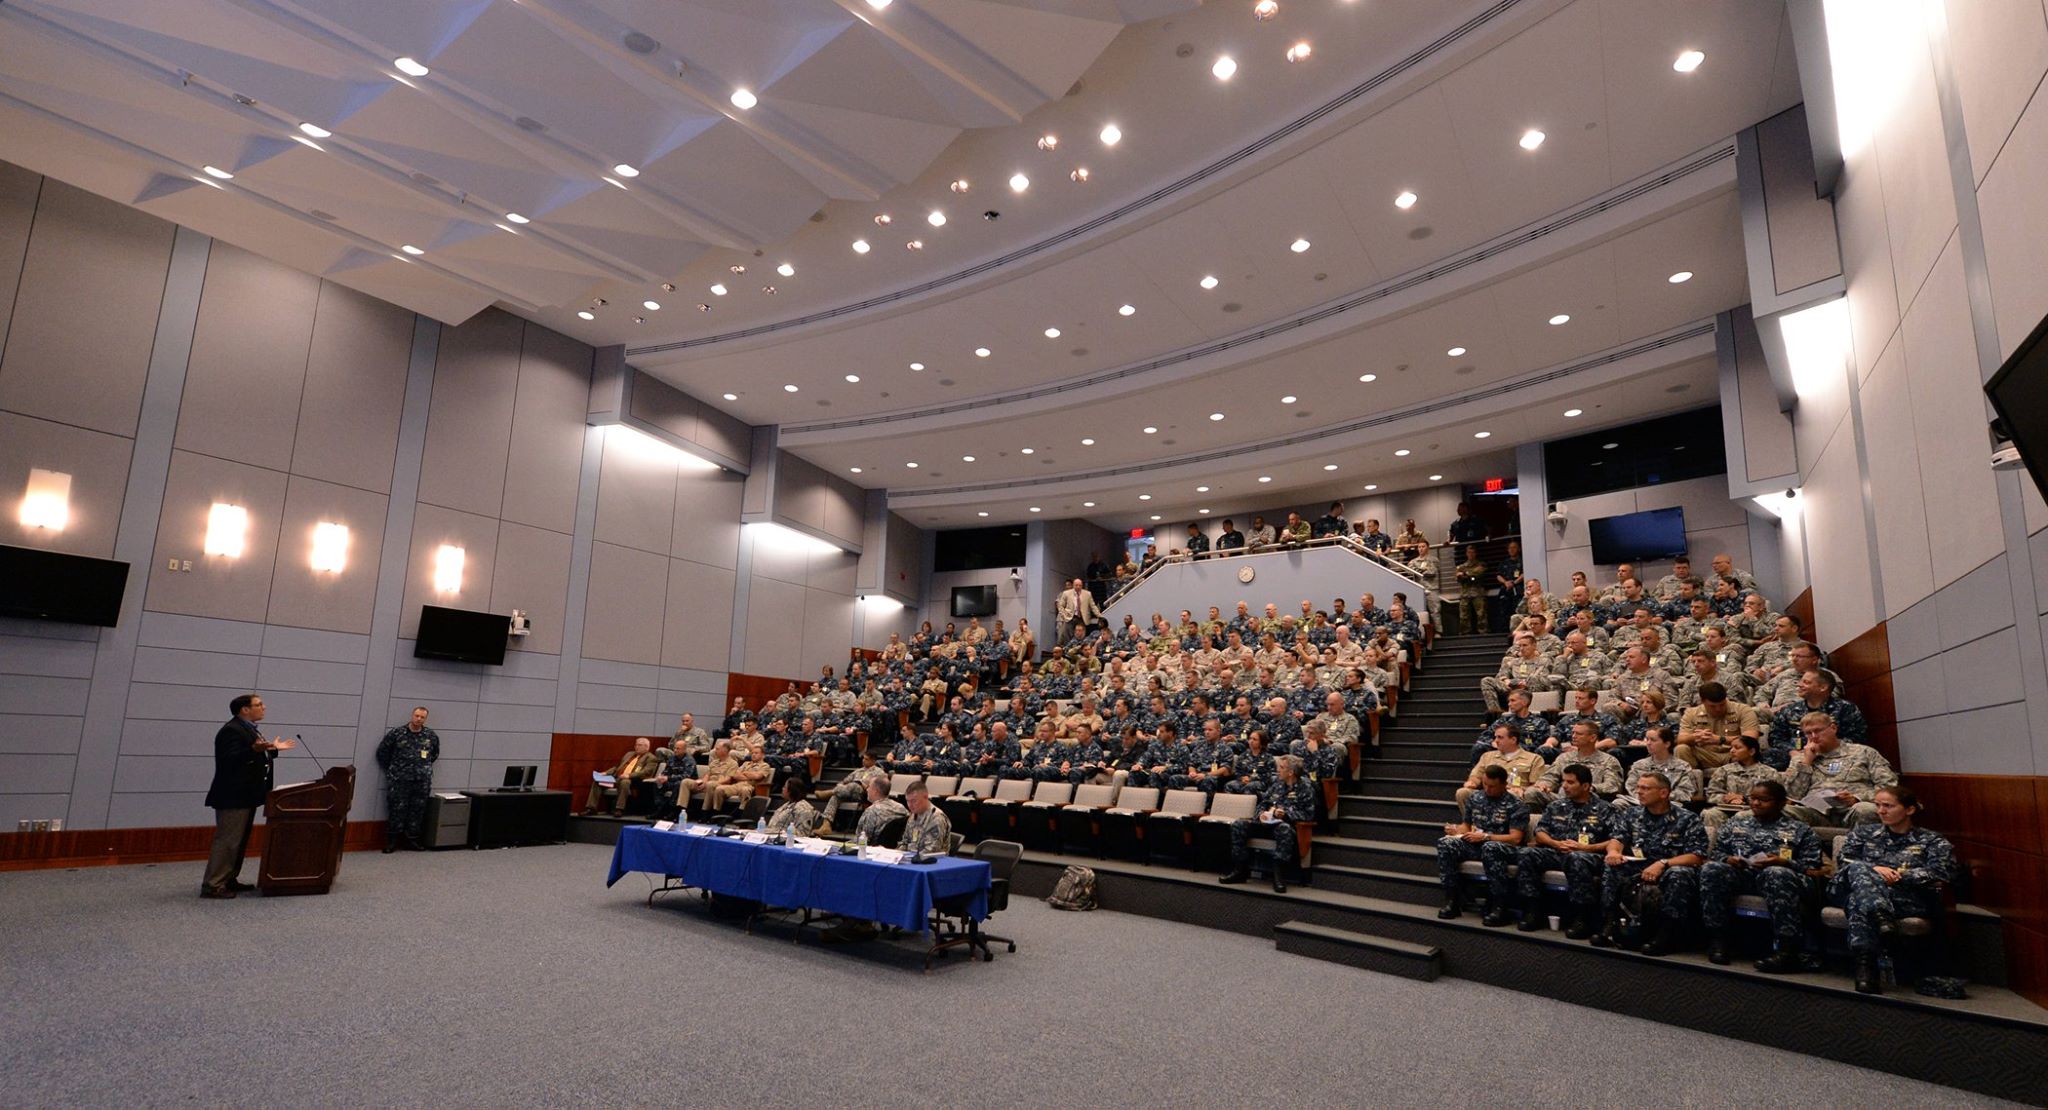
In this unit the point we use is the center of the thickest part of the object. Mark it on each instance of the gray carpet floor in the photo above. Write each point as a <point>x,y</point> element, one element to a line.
<point>515,978</point>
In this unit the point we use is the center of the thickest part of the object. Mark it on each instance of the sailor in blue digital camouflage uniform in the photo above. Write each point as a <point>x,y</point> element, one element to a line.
<point>1494,824</point>
<point>1289,801</point>
<point>407,754</point>
<point>1885,870</point>
<point>1655,842</point>
<point>1571,837</point>
<point>1761,852</point>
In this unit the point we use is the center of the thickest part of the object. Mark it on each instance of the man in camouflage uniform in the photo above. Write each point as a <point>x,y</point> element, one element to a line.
<point>1761,852</point>
<point>1850,774</point>
<point>927,831</point>
<point>1525,668</point>
<point>1472,615</point>
<point>1818,693</point>
<point>795,813</point>
<point>854,786</point>
<point>1579,668</point>
<point>1532,727</point>
<point>1656,843</point>
<point>1571,837</point>
<point>1339,726</point>
<point>881,810</point>
<point>407,754</point>
<point>1287,802</point>
<point>1584,752</point>
<point>1493,827</point>
<point>1885,869</point>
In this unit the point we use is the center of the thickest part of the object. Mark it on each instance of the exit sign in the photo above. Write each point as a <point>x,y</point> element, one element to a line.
<point>1495,485</point>
<point>1137,533</point>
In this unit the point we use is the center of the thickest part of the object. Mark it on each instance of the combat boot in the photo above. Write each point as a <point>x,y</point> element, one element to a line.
<point>1664,938</point>
<point>1782,962</point>
<point>1609,935</point>
<point>1453,906</point>
<point>1242,874</point>
<point>1717,947</point>
<point>1531,920</point>
<point>1496,916</point>
<point>1581,927</point>
<point>1866,974</point>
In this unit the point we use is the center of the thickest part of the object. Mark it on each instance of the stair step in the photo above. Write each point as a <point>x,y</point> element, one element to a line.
<point>1441,789</point>
<point>1393,805</point>
<point>1360,950</point>
<point>1400,830</point>
<point>1409,767</point>
<point>1377,855</point>
<point>1368,882</point>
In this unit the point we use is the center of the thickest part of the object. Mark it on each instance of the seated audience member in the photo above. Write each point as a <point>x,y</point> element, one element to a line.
<point>1668,586</point>
<point>720,771</point>
<point>1707,729</point>
<point>1658,757</point>
<point>854,787</point>
<point>1572,837</point>
<point>640,763</point>
<point>1761,852</point>
<point>927,832</point>
<point>1885,869</point>
<point>1196,544</point>
<point>1252,768</point>
<point>1657,843</point>
<point>1585,751</point>
<point>1331,523</point>
<point>1467,528</point>
<point>1580,667</point>
<point>689,738</point>
<point>1261,535</point>
<point>795,812</point>
<point>1373,539</point>
<point>1525,668</point>
<point>1230,539</point>
<point>881,810</point>
<point>678,769</point>
<point>1338,723</point>
<point>1295,532</point>
<point>1532,727</point>
<point>755,777</point>
<point>1724,571</point>
<point>1817,694</point>
<point>1522,766</point>
<point>1772,654</point>
<point>1836,783</point>
<point>1788,686</point>
<point>1491,826</point>
<point>1289,801</point>
<point>1728,787</point>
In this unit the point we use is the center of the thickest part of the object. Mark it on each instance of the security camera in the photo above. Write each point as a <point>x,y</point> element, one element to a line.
<point>1015,578</point>
<point>1558,516</point>
<point>2007,457</point>
<point>521,626</point>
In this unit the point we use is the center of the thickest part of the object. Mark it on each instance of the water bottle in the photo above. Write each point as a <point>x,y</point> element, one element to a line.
<point>1886,974</point>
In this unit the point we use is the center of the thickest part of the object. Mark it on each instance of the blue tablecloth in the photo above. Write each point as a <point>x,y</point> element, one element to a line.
<point>893,894</point>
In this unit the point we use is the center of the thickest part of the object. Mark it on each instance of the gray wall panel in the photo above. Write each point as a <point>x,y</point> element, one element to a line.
<point>310,676</point>
<point>469,431</point>
<point>336,601</point>
<point>188,667</point>
<point>532,574</point>
<point>515,747</point>
<point>597,695</point>
<point>636,495</point>
<point>1920,690</point>
<point>1988,741</point>
<point>707,517</point>
<point>1975,605</point>
<point>1914,634</point>
<point>163,773</point>
<point>55,658</point>
<point>159,701</point>
<point>445,714</point>
<point>355,388</point>
<point>702,682</point>
<point>156,810</point>
<point>616,721</point>
<point>236,588</point>
<point>1983,672</point>
<point>18,191</point>
<point>518,691</point>
<point>436,685</point>
<point>37,694</point>
<point>85,317</point>
<point>30,807</point>
<point>309,643</point>
<point>696,631</point>
<point>174,630</point>
<point>36,732</point>
<point>248,364</point>
<point>613,673</point>
<point>433,526</point>
<point>515,718</point>
<point>623,618</point>
<point>547,431</point>
<point>98,465</point>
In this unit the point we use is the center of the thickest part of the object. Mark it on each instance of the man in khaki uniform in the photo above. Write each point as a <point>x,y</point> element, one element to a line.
<point>720,771</point>
<point>1523,766</point>
<point>752,778</point>
<point>1705,729</point>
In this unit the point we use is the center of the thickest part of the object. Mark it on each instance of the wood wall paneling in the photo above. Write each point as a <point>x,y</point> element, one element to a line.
<point>109,847</point>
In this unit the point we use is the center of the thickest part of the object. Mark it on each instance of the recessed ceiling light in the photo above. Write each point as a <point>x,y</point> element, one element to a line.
<point>1225,67</point>
<point>1079,175</point>
<point>1209,281</point>
<point>911,465</point>
<point>1680,278</point>
<point>1155,516</point>
<point>410,67</point>
<point>1265,477</point>
<point>981,513</point>
<point>1406,199</point>
<point>789,389</point>
<point>1111,134</point>
<point>1150,430</point>
<point>1052,333</point>
<point>1265,9</point>
<point>967,458</point>
<point>587,314</point>
<point>1087,504</point>
<point>1575,412</point>
<point>216,171</point>
<point>1144,497</point>
<point>1215,416</point>
<point>854,378</point>
<point>917,366</point>
<point>1688,60</point>
<point>1456,352</point>
<point>1402,453</point>
<point>516,218</point>
<point>1436,477</point>
<point>914,245</point>
<point>960,185</point>
<point>1370,486</point>
<point>1482,435</point>
<point>1298,246</point>
<point>1300,51</point>
<point>1126,310</point>
<point>1609,446</point>
<point>1201,489</point>
<point>743,99</point>
<point>1560,318</point>
<point>624,170</point>
<point>735,397</point>
<point>853,469</point>
<point>1368,377</point>
<point>1087,443</point>
<point>315,130</point>
<point>1204,512</point>
<point>1028,450</point>
<point>1289,399</point>
<point>1048,141</point>
<point>860,246</point>
<point>981,352</point>
<point>1034,508</point>
<point>1531,139</point>
<point>718,289</point>
<point>786,270</point>
<point>936,218</point>
<point>878,5</point>
<point>651,306</point>
<point>410,249</point>
<point>639,319</point>
<point>1329,466</point>
<point>1019,183</point>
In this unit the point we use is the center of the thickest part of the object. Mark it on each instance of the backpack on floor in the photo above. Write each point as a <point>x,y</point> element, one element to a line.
<point>1076,890</point>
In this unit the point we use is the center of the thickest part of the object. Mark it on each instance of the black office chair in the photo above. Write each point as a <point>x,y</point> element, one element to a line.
<point>891,834</point>
<point>1002,857</point>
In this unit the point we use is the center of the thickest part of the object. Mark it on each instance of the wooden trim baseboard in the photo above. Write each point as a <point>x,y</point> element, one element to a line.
<point>173,844</point>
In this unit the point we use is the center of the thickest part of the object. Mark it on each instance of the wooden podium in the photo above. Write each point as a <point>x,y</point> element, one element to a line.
<point>304,829</point>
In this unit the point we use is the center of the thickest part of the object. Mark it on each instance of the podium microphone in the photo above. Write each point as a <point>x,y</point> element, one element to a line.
<point>309,754</point>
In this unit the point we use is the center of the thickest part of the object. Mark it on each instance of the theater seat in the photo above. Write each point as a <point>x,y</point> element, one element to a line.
<point>1037,820</point>
<point>1167,830</point>
<point>941,786</point>
<point>1074,825</point>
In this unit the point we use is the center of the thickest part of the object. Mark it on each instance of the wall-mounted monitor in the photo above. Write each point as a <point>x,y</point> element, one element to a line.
<point>1636,537</point>
<point>53,586</point>
<point>2019,394</point>
<point>974,601</point>
<point>461,635</point>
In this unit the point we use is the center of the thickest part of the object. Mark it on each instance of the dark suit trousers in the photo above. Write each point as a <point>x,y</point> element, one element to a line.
<point>230,841</point>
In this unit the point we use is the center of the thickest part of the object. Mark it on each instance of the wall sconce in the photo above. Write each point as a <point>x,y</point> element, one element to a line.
<point>330,546</point>
<point>47,502</point>
<point>448,569</point>
<point>227,526</point>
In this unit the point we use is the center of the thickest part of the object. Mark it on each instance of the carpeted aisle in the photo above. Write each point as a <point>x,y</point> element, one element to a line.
<point>515,978</point>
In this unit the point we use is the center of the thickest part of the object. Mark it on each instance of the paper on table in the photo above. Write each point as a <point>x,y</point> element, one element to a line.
<point>696,830</point>
<point>449,795</point>
<point>664,826</point>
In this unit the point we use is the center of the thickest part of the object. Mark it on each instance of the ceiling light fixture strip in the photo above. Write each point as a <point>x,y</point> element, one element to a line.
<point>1237,453</point>
<point>1121,212</point>
<point>1493,249</point>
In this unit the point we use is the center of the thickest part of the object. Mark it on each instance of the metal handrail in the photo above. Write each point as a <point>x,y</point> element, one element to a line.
<point>1346,542</point>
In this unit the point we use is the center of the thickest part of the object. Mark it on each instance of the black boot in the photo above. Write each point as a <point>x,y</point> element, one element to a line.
<point>1717,947</point>
<point>1886,925</point>
<point>1664,939</point>
<point>1452,908</point>
<point>1237,876</point>
<point>1532,919</point>
<point>1496,916</point>
<point>1279,883</point>
<point>1866,974</point>
<point>1609,935</point>
<point>1581,927</point>
<point>1782,962</point>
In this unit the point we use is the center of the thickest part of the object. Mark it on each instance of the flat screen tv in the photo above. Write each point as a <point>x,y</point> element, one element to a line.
<point>52,586</point>
<point>461,635</point>
<point>2019,394</point>
<point>974,601</point>
<point>1635,537</point>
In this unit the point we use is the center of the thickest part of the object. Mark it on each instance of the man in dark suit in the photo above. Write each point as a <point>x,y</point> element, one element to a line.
<point>242,761</point>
